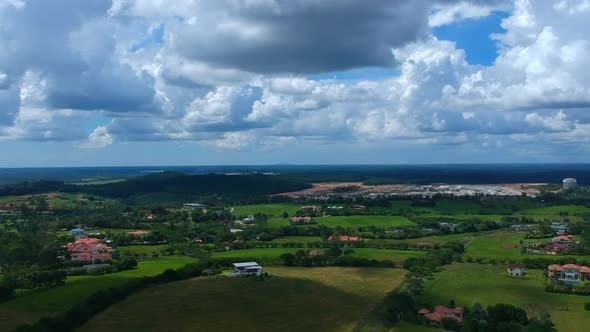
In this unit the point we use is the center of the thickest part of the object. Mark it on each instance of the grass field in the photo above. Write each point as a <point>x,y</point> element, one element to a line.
<point>354,221</point>
<point>296,299</point>
<point>491,246</point>
<point>271,210</point>
<point>142,249</point>
<point>270,256</point>
<point>30,307</point>
<point>300,239</point>
<point>468,284</point>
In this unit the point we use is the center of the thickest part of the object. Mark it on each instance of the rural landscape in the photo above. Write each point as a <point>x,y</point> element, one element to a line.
<point>221,251</point>
<point>294,166</point>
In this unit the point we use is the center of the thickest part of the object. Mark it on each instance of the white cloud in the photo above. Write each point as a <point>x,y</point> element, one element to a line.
<point>98,138</point>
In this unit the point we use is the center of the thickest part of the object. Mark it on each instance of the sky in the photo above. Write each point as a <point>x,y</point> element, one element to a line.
<point>213,82</point>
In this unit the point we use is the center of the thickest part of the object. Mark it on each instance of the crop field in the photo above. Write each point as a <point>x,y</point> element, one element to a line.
<point>294,299</point>
<point>30,307</point>
<point>468,284</point>
<point>271,210</point>
<point>270,256</point>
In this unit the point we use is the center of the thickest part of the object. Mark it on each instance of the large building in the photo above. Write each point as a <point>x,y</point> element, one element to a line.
<point>569,183</point>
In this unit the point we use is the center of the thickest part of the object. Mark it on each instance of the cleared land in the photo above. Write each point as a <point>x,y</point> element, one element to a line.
<point>468,284</point>
<point>296,299</point>
<point>28,308</point>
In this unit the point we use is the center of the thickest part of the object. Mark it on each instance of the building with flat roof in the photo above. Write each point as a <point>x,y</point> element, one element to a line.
<point>247,269</point>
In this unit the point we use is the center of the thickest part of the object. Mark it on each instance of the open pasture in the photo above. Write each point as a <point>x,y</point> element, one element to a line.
<point>271,210</point>
<point>468,284</point>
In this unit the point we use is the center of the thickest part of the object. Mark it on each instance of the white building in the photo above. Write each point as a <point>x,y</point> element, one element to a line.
<point>569,183</point>
<point>247,269</point>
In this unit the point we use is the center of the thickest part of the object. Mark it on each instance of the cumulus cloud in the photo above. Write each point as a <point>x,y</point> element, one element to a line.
<point>236,74</point>
<point>99,138</point>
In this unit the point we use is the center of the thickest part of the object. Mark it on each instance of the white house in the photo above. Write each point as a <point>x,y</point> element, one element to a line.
<point>247,269</point>
<point>515,270</point>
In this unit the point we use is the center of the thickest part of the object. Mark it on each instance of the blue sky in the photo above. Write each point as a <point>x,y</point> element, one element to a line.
<point>256,82</point>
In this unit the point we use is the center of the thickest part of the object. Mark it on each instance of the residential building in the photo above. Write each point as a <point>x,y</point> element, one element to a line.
<point>344,238</point>
<point>441,312</point>
<point>559,227</point>
<point>565,239</point>
<point>138,233</point>
<point>569,272</point>
<point>302,220</point>
<point>312,253</point>
<point>89,249</point>
<point>515,270</point>
<point>247,269</point>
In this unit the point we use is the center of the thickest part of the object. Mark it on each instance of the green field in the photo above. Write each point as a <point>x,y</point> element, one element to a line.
<point>270,256</point>
<point>30,307</point>
<point>493,245</point>
<point>295,299</point>
<point>354,221</point>
<point>300,239</point>
<point>271,210</point>
<point>142,249</point>
<point>468,284</point>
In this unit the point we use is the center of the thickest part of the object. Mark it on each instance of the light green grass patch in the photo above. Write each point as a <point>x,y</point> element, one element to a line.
<point>468,284</point>
<point>271,210</point>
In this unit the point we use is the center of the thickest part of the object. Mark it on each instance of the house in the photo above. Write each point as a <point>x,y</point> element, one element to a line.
<point>308,208</point>
<point>302,220</point>
<point>344,238</point>
<point>335,207</point>
<point>441,312</point>
<point>138,233</point>
<point>312,253</point>
<point>247,269</point>
<point>566,239</point>
<point>249,220</point>
<point>569,272</point>
<point>515,269</point>
<point>235,230</point>
<point>359,207</point>
<point>89,249</point>
<point>150,216</point>
<point>556,247</point>
<point>559,227</point>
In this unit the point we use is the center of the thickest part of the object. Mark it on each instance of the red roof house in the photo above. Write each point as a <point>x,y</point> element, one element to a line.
<point>441,312</point>
<point>89,249</point>
<point>138,233</point>
<point>344,238</point>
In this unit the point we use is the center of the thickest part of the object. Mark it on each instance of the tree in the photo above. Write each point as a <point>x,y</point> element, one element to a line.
<point>288,259</point>
<point>285,215</point>
<point>450,324</point>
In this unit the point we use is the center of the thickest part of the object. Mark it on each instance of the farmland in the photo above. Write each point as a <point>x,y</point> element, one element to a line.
<point>468,284</point>
<point>330,299</point>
